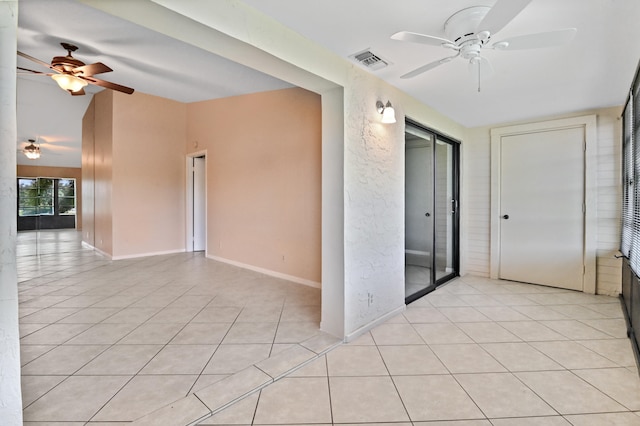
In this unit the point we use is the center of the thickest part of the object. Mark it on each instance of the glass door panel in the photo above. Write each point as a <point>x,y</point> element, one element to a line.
<point>445,208</point>
<point>418,210</point>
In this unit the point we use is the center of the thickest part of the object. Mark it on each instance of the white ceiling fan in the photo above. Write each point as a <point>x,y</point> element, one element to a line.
<point>470,31</point>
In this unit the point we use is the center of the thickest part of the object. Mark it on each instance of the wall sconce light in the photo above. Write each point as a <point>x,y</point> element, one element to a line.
<point>31,151</point>
<point>387,111</point>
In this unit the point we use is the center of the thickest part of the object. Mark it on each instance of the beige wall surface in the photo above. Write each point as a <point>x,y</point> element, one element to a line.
<point>263,179</point>
<point>58,172</point>
<point>148,175</point>
<point>88,178</point>
<point>102,173</point>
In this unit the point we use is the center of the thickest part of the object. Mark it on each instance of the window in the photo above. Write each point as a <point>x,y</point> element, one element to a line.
<point>66,196</point>
<point>46,197</point>
<point>630,236</point>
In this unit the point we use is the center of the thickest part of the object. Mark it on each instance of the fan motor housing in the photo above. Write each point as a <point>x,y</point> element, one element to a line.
<point>462,25</point>
<point>67,63</point>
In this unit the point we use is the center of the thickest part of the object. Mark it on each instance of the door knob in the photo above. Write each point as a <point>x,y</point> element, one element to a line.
<point>427,214</point>
<point>506,216</point>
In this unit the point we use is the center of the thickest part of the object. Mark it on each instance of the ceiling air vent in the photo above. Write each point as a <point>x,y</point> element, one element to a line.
<point>369,60</point>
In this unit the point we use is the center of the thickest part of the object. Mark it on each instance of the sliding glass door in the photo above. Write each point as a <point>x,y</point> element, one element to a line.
<point>419,213</point>
<point>431,210</point>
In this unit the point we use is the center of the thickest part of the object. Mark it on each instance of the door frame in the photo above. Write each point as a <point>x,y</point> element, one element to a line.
<point>456,193</point>
<point>189,199</point>
<point>589,124</point>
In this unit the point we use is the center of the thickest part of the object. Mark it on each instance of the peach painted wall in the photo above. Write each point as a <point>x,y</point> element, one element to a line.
<point>88,189</point>
<point>58,172</point>
<point>149,140</point>
<point>263,179</point>
<point>102,166</point>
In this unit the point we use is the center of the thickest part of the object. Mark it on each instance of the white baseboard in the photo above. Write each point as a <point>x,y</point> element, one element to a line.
<point>360,331</point>
<point>130,256</point>
<point>97,250</point>
<point>155,253</point>
<point>267,272</point>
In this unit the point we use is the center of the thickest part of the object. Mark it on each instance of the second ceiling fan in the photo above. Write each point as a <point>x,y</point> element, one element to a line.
<point>470,31</point>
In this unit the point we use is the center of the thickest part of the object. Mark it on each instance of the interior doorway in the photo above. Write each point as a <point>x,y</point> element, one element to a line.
<point>431,210</point>
<point>196,203</point>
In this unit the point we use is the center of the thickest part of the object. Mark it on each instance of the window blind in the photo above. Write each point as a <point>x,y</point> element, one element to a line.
<point>630,234</point>
<point>627,179</point>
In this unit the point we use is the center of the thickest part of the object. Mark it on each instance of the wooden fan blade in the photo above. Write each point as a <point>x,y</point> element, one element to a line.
<point>77,92</point>
<point>92,69</point>
<point>37,61</point>
<point>54,147</point>
<point>109,85</point>
<point>33,72</point>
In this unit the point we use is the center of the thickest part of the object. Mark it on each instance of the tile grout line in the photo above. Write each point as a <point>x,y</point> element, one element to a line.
<point>251,392</point>
<point>217,346</point>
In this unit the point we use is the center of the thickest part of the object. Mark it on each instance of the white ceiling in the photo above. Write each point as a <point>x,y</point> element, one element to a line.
<point>594,71</point>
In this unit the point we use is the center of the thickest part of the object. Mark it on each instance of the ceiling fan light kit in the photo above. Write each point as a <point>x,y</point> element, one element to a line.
<point>31,151</point>
<point>69,82</point>
<point>469,31</point>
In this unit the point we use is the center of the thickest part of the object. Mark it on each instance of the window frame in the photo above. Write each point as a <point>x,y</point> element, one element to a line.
<point>54,207</point>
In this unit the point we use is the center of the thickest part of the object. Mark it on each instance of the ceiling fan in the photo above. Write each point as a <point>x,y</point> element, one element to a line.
<point>33,148</point>
<point>470,31</point>
<point>72,74</point>
<point>31,151</point>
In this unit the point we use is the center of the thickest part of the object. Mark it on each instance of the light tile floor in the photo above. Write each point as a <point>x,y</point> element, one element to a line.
<point>106,341</point>
<point>474,352</point>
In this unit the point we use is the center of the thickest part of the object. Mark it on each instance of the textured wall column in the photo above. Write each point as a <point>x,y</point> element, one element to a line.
<point>10,398</point>
<point>333,307</point>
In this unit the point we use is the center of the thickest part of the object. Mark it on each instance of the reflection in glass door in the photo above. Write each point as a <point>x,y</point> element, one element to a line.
<point>431,210</point>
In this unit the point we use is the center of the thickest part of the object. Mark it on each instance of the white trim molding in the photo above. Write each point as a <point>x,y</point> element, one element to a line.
<point>155,253</point>
<point>266,271</point>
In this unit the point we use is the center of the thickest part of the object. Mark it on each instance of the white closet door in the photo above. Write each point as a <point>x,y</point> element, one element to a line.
<point>541,203</point>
